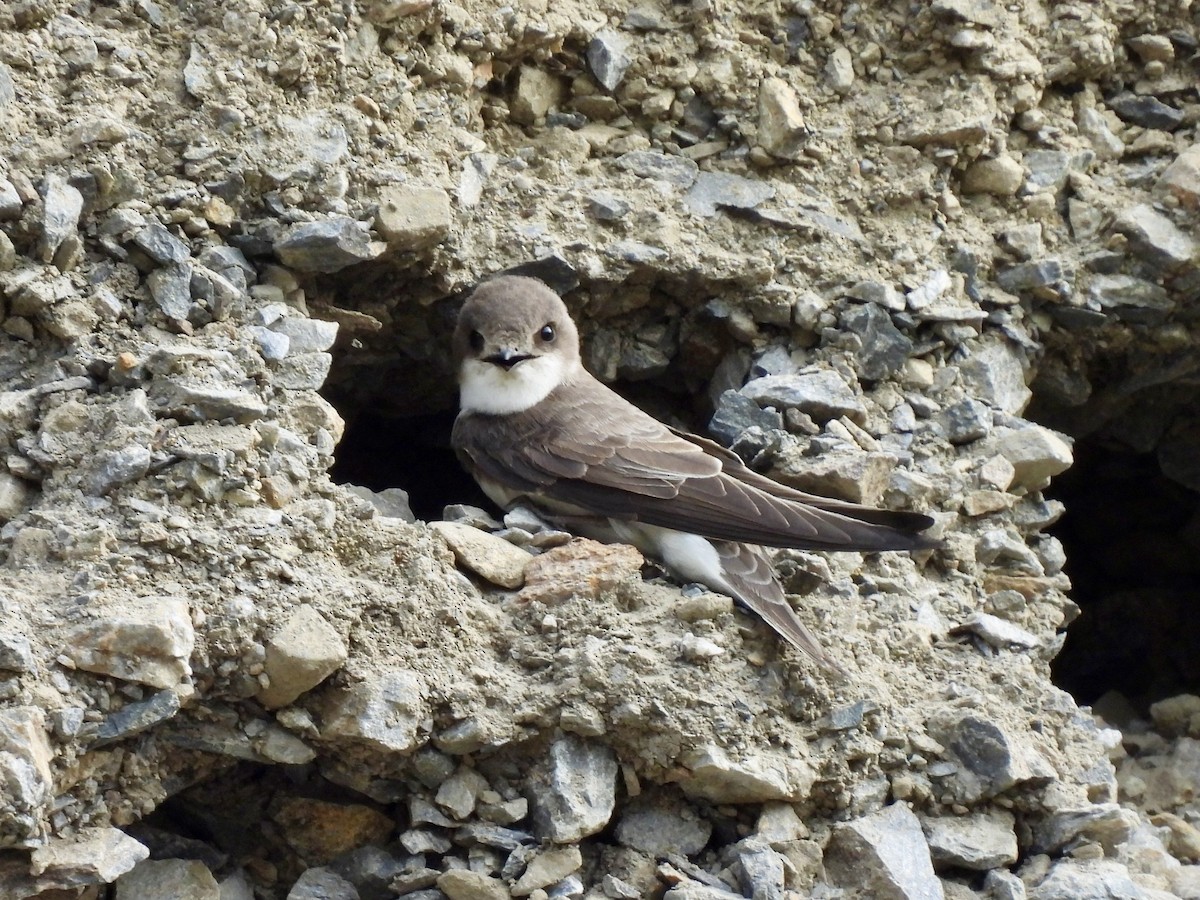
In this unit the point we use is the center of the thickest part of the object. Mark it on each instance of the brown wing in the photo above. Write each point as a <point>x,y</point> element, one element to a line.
<point>586,447</point>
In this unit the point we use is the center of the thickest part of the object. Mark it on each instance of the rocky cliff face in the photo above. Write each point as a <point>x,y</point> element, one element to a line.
<point>899,254</point>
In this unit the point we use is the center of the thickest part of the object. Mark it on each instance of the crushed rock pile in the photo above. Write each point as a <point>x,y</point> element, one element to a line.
<point>850,238</point>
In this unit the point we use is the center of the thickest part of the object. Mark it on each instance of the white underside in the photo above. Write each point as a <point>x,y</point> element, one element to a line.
<point>493,390</point>
<point>690,557</point>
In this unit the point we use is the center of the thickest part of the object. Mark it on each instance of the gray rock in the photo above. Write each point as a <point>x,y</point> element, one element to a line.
<point>477,169</point>
<point>306,335</point>
<point>884,856</point>
<point>203,402</point>
<point>302,653</point>
<point>391,503</point>
<point>537,92</point>
<point>1001,884</point>
<point>10,201</point>
<point>990,759</point>
<point>1146,111</point>
<point>1131,299</point>
<point>148,640</point>
<point>422,840</point>
<point>1181,179</point>
<point>113,468</point>
<point>677,170</point>
<point>63,206</point>
<point>574,791</point>
<point>714,190</point>
<point>302,371</point>
<point>1032,276</point>
<point>16,653</point>
<point>1048,169</point>
<point>1001,177</point>
<point>736,413</point>
<point>605,207</point>
<point>782,131</point>
<point>997,632</point>
<point>171,288</point>
<point>1107,824</point>
<point>218,294</point>
<point>385,711</point>
<point>879,293</point>
<point>8,91</point>
<point>995,374</point>
<point>93,856</point>
<point>134,718</point>
<point>966,421</point>
<point>608,57</point>
<point>271,344</point>
<point>15,496</point>
<point>1099,879</point>
<point>160,245</point>
<point>636,252</point>
<point>413,217</point>
<point>819,393</point>
<point>1157,241</point>
<point>979,842</point>
<point>461,884</point>
<point>884,347</point>
<point>759,870</point>
<point>229,262</point>
<point>459,793</point>
<point>329,245</point>
<point>492,836</point>
<point>488,556</point>
<point>658,825</point>
<point>1094,128</point>
<point>168,879</point>
<point>1037,454</point>
<point>547,868</point>
<point>320,883</point>
<point>754,778</point>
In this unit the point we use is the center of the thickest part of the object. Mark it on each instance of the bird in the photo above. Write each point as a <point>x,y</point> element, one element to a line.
<point>535,428</point>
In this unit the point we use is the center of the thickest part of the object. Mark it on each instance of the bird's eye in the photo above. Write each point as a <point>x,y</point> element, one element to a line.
<point>547,333</point>
<point>476,340</point>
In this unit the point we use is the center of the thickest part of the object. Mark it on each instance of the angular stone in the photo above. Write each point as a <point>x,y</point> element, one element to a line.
<point>321,830</point>
<point>321,883</point>
<point>883,856</point>
<point>461,884</point>
<point>966,421</point>
<point>547,868</point>
<point>413,217</point>
<point>1158,241</point>
<point>1107,824</point>
<point>303,371</point>
<point>1002,177</point>
<point>171,288</point>
<point>148,640</point>
<point>884,347</point>
<point>849,474</point>
<point>459,793</point>
<point>10,201</point>
<point>371,870</point>
<point>605,207</point>
<point>995,374</point>
<point>112,468</point>
<point>160,245</point>
<point>735,413</point>
<point>139,716</point>
<point>608,57</point>
<point>978,842</point>
<point>477,168</point>
<point>965,121</point>
<point>385,711</point>
<point>717,190</point>
<point>880,293</point>
<point>1098,879</point>
<point>25,758</point>
<point>1181,179</point>
<point>781,128</point>
<point>16,653</point>
<point>329,245</point>
<point>1037,454</point>
<point>1131,299</point>
<point>997,632</point>
<point>537,92</point>
<point>658,825</point>
<point>1094,128</point>
<point>990,758</point>
<point>756,778</point>
<point>1048,169</point>
<point>574,790</point>
<point>1031,276</point>
<point>306,335</point>
<point>63,205</point>
<point>582,568</point>
<point>491,558</point>
<point>839,70</point>
<point>168,879</point>
<point>1146,111</point>
<point>300,655</point>
<point>15,496</point>
<point>759,869</point>
<point>819,393</point>
<point>677,170</point>
<point>94,856</point>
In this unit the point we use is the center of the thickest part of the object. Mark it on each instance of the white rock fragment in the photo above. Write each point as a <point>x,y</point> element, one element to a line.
<point>168,879</point>
<point>980,841</point>
<point>148,640</point>
<point>488,556</point>
<point>781,128</point>
<point>884,856</point>
<point>300,655</point>
<point>574,791</point>
<point>413,217</point>
<point>1037,454</point>
<point>546,869</point>
<point>754,778</point>
<point>385,711</point>
<point>94,856</point>
<point>997,632</point>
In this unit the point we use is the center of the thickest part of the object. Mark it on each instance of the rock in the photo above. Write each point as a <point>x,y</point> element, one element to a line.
<point>1099,879</point>
<point>884,856</point>
<point>1094,128</point>
<point>63,205</point>
<point>384,711</point>
<point>491,558</point>
<point>15,496</point>
<point>714,190</point>
<point>142,715</point>
<point>962,123</point>
<point>420,841</point>
<point>582,568</point>
<point>1146,111</point>
<point>547,868</point>
<point>884,347</point>
<point>966,421</point>
<point>25,758</point>
<point>537,92</point>
<point>320,830</point>
<point>1037,454</point>
<point>476,170</point>
<point>459,793</point>
<point>493,836</point>
<point>16,653</point>
<point>997,632</point>
<point>608,58</point>
<point>574,791</point>
<point>302,371</point>
<point>778,822</point>
<point>160,245</point>
<point>10,201</point>
<point>782,131</point>
<point>460,884</point>
<point>1106,824</point>
<point>991,759</point>
<point>302,653</point>
<point>819,393</point>
<point>735,413</point>
<point>171,288</point>
<point>412,218</point>
<point>759,870</point>
<point>390,503</point>
<point>656,825</point>
<point>306,335</point>
<point>168,879</point>
<point>676,170</point>
<point>1001,177</point>
<point>605,207</point>
<point>757,778</point>
<point>93,856</point>
<point>847,474</point>
<point>329,245</point>
<point>148,640</point>
<point>979,842</point>
<point>1181,179</point>
<point>1048,169</point>
<point>320,883</point>
<point>1032,277</point>
<point>839,70</point>
<point>1163,246</point>
<point>114,468</point>
<point>995,374</point>
<point>1131,299</point>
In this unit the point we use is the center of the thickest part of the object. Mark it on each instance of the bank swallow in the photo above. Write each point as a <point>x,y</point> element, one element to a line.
<point>536,429</point>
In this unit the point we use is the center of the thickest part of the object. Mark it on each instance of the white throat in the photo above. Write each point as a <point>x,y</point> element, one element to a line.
<point>487,388</point>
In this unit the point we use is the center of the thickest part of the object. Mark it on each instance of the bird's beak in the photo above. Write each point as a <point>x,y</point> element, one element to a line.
<point>507,357</point>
